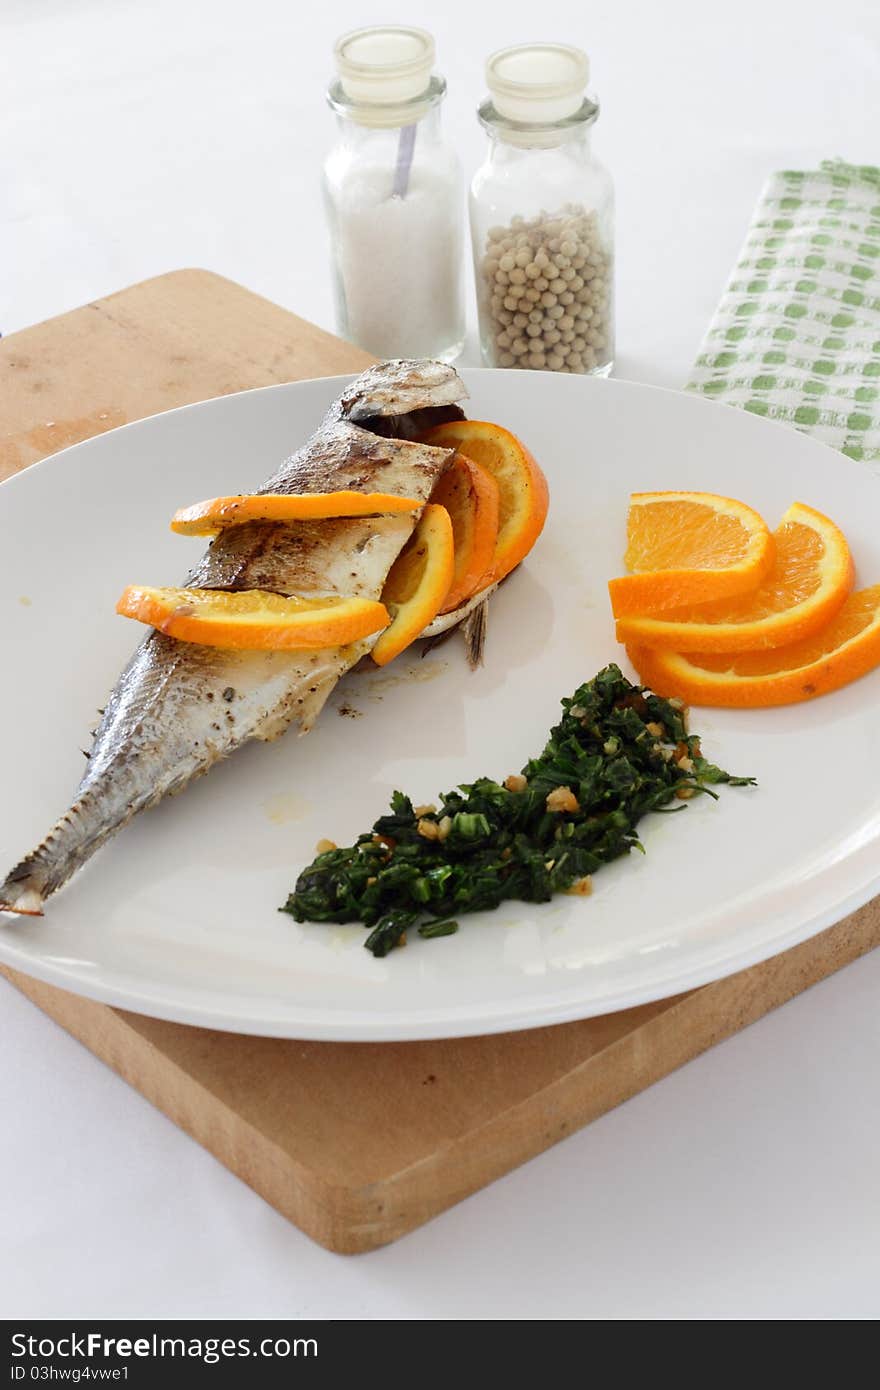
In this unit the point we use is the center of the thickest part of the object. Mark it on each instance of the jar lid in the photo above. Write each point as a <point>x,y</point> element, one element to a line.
<point>538,83</point>
<point>384,65</point>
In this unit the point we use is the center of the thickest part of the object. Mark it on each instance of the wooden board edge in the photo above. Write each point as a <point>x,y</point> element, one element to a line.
<point>197,277</point>
<point>368,1218</point>
<point>354,1220</point>
<point>299,1194</point>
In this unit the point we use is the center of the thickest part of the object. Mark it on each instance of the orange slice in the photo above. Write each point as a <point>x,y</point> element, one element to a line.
<point>207,518</point>
<point>811,577</point>
<point>253,618</point>
<point>689,547</point>
<point>417,583</point>
<point>846,648</point>
<point>524,497</point>
<point>471,497</point>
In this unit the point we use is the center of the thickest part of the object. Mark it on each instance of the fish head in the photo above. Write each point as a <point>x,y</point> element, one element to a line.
<point>402,397</point>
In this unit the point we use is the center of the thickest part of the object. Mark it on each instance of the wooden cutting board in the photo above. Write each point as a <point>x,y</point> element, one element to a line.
<point>355,1143</point>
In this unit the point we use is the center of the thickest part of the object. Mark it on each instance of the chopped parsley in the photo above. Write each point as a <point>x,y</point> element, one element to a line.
<point>617,753</point>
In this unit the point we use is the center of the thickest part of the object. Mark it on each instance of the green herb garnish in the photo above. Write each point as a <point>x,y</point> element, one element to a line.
<point>617,753</point>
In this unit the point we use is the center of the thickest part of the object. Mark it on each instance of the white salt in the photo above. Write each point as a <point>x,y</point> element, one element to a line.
<point>399,262</point>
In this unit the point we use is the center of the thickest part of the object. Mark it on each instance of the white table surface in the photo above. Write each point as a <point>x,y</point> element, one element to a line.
<point>140,137</point>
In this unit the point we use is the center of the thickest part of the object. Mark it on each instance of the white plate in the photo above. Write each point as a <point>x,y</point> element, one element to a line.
<point>177,916</point>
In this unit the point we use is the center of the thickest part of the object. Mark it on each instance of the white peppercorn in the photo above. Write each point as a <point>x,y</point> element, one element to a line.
<point>544,288</point>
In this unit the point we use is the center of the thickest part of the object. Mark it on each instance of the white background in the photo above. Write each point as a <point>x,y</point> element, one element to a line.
<point>137,138</point>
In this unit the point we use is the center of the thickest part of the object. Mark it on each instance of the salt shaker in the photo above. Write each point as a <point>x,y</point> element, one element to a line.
<point>394,199</point>
<point>542,217</point>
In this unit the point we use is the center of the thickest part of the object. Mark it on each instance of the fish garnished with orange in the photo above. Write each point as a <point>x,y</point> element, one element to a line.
<point>344,552</point>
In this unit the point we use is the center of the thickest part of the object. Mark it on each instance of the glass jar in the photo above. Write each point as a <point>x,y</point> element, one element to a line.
<point>393,198</point>
<point>542,210</point>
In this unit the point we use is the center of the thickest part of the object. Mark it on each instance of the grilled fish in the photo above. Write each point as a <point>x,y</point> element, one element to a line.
<point>178,707</point>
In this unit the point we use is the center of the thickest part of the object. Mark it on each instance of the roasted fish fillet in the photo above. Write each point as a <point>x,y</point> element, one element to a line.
<point>178,707</point>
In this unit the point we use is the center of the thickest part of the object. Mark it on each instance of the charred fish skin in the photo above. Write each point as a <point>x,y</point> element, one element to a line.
<point>178,708</point>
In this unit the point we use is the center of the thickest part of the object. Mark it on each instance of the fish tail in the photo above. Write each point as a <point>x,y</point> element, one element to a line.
<point>70,842</point>
<point>23,891</point>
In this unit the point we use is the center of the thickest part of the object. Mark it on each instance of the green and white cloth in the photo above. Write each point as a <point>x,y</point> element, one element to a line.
<point>796,336</point>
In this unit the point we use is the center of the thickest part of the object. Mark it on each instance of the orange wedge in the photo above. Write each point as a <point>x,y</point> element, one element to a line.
<point>811,577</point>
<point>524,497</point>
<point>253,618</point>
<point>846,648</point>
<point>207,518</point>
<point>689,547</point>
<point>417,583</point>
<point>471,497</point>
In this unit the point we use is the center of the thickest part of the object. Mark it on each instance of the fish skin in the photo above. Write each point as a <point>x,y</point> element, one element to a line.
<point>178,707</point>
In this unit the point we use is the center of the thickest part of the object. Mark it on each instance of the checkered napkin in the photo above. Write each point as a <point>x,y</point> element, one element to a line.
<point>796,336</point>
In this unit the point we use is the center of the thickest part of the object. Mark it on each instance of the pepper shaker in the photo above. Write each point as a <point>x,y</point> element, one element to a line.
<point>541,210</point>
